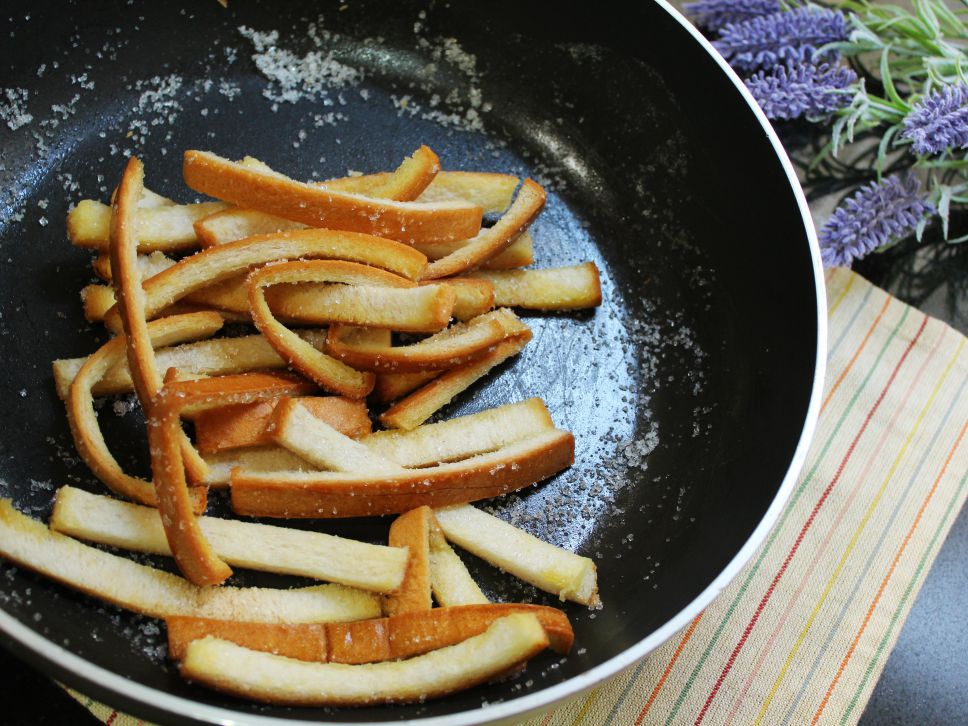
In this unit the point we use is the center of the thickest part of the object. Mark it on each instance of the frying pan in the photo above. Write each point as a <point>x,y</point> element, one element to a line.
<point>692,391</point>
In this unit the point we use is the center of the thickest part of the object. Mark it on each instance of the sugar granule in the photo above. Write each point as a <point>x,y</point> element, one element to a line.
<point>13,110</point>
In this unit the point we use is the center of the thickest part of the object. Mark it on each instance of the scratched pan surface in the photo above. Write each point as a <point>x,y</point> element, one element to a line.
<point>688,391</point>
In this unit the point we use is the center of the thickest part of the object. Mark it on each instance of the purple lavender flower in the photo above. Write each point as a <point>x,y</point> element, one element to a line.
<point>939,121</point>
<point>874,216</point>
<point>798,89</point>
<point>715,14</point>
<point>785,36</point>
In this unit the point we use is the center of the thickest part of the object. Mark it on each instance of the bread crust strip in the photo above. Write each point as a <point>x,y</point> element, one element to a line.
<point>448,348</point>
<point>161,594</point>
<point>558,288</point>
<point>473,297</point>
<point>326,371</point>
<point>130,295</point>
<point>263,547</point>
<point>204,358</point>
<point>493,240</point>
<point>333,494</point>
<point>404,185</point>
<point>82,418</point>
<point>410,412</point>
<point>367,641</point>
<point>97,300</point>
<point>386,301</point>
<point>305,435</point>
<point>233,224</point>
<point>167,228</point>
<point>218,263</point>
<point>507,643</point>
<point>450,581</point>
<point>256,459</point>
<point>391,386</point>
<point>491,191</point>
<point>520,253</point>
<point>323,207</point>
<point>148,199</point>
<point>249,424</point>
<point>194,555</point>
<point>410,179</point>
<point>445,441</point>
<point>148,265</point>
<point>412,531</point>
<point>462,437</point>
<point>301,641</point>
<point>547,567</point>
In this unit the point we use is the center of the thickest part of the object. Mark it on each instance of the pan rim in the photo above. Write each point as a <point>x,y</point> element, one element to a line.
<point>87,675</point>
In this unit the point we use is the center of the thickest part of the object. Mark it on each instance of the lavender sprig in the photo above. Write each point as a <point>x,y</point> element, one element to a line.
<point>716,14</point>
<point>939,121</point>
<point>876,215</point>
<point>799,89</point>
<point>764,42</point>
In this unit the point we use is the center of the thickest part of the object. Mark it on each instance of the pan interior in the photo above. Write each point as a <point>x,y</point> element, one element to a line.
<point>686,390</point>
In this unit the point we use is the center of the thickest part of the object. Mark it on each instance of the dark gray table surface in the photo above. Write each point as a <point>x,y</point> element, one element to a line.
<point>925,680</point>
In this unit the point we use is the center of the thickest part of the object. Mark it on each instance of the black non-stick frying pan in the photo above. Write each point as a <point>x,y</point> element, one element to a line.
<point>691,391</point>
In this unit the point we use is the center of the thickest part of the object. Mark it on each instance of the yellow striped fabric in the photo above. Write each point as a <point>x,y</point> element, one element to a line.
<point>803,632</point>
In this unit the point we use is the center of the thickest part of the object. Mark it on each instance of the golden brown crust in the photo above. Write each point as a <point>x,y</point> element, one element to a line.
<point>462,437</point>
<point>333,494</point>
<point>391,386</point>
<point>323,207</point>
<point>303,641</point>
<point>410,412</point>
<point>127,283</point>
<point>130,296</point>
<point>417,633</point>
<point>412,530</point>
<point>248,424</point>
<point>448,348</point>
<point>493,240</point>
<point>218,263</point>
<point>368,641</point>
<point>325,370</point>
<point>386,301</point>
<point>410,178</point>
<point>504,647</point>
<point>83,420</point>
<point>520,253</point>
<point>194,555</point>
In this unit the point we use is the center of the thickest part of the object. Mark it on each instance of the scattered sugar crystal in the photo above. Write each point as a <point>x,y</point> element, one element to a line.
<point>294,77</point>
<point>13,110</point>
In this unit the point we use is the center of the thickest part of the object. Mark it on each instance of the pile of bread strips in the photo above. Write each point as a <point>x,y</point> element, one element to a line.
<point>330,275</point>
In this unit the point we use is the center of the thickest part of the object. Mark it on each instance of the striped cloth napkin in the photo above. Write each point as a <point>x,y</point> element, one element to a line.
<point>803,632</point>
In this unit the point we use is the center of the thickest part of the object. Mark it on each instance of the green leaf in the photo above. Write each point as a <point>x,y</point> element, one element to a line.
<point>882,149</point>
<point>888,82</point>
